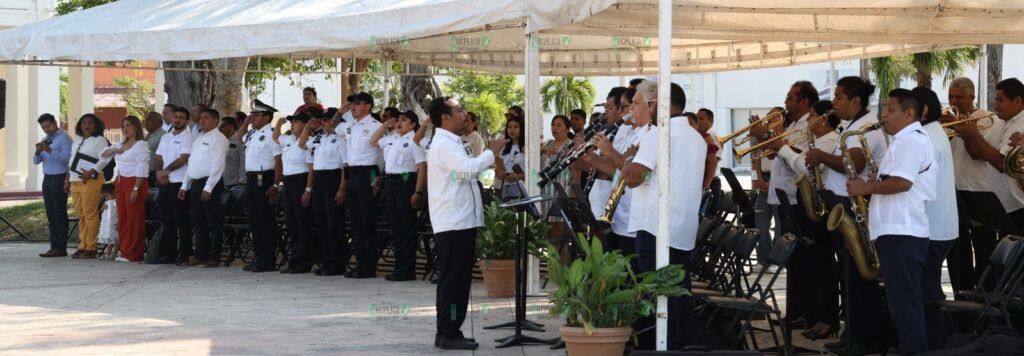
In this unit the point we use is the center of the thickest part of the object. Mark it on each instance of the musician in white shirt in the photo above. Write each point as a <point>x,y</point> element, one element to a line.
<point>688,151</point>
<point>204,186</point>
<point>84,184</point>
<point>897,218</point>
<point>172,156</point>
<point>131,189</point>
<point>297,193</point>
<point>456,212</point>
<point>263,172</point>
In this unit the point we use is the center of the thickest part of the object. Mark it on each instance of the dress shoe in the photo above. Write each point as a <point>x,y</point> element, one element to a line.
<point>295,270</point>
<point>192,261</point>
<point>247,268</point>
<point>54,253</point>
<point>437,338</point>
<point>259,269</point>
<point>357,275</point>
<point>77,254</point>
<point>457,344</point>
<point>328,271</point>
<point>212,264</point>
<point>399,278</point>
<point>87,255</point>
<point>838,344</point>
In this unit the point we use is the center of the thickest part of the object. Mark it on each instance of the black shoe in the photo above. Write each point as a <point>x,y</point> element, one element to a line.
<point>328,271</point>
<point>399,278</point>
<point>258,269</point>
<point>247,268</point>
<point>295,270</point>
<point>357,275</point>
<point>433,280</point>
<point>456,344</point>
<point>838,344</point>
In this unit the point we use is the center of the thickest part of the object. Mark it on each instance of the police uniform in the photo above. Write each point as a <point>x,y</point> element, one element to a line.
<point>205,172</point>
<point>260,164</point>
<point>362,159</point>
<point>401,160</point>
<point>328,158</point>
<point>898,223</point>
<point>177,238</point>
<point>295,168</point>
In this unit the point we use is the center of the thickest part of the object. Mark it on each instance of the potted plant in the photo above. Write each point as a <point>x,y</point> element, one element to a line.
<point>601,297</point>
<point>496,248</point>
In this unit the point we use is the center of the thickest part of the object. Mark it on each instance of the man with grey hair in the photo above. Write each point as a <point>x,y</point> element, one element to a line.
<point>974,195</point>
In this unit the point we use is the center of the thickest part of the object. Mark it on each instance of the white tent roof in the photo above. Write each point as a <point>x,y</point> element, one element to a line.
<point>591,37</point>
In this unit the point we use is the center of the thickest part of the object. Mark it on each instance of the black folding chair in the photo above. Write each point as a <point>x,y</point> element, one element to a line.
<point>988,305</point>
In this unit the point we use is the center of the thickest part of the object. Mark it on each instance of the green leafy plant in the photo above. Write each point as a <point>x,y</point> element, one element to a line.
<point>497,240</point>
<point>602,291</point>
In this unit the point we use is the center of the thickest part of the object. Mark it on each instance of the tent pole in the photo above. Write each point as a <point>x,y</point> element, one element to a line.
<point>982,87</point>
<point>533,133</point>
<point>664,81</point>
<point>387,81</point>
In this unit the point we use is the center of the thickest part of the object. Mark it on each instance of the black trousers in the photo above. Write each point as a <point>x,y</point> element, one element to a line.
<point>812,286</point>
<point>902,259</point>
<point>864,306</point>
<point>55,199</point>
<point>332,240</point>
<point>362,212</point>
<point>174,216</point>
<point>299,221</point>
<point>970,253</point>
<point>207,219</point>
<point>931,285</point>
<point>398,191</point>
<point>682,320</point>
<point>262,218</point>
<point>456,251</point>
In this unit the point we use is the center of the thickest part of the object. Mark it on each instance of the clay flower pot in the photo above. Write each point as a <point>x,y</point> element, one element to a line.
<point>499,277</point>
<point>604,341</point>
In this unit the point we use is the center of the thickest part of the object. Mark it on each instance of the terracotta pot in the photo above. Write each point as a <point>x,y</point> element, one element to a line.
<point>604,341</point>
<point>499,277</point>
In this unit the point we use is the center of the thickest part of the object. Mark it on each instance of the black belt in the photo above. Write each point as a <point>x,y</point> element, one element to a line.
<point>255,174</point>
<point>398,175</point>
<point>327,170</point>
<point>193,182</point>
<point>362,168</point>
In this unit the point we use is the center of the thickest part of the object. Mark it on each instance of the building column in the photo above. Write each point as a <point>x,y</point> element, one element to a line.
<point>44,97</point>
<point>159,94</point>
<point>80,95</point>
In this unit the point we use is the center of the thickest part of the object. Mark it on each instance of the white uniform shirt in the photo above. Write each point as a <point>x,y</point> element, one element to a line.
<point>625,138</point>
<point>134,162</point>
<point>167,126</point>
<point>797,161</point>
<point>401,154</point>
<point>1003,186</point>
<point>602,189</point>
<point>171,148</point>
<point>836,181</point>
<point>328,152</point>
<point>234,163</point>
<point>943,218</point>
<point>688,151</point>
<point>260,149</point>
<point>513,157</point>
<point>911,157</point>
<point>294,159</point>
<point>209,152</point>
<point>783,175</point>
<point>475,142</point>
<point>453,193</point>
<point>92,147</point>
<point>972,174</point>
<point>358,133</point>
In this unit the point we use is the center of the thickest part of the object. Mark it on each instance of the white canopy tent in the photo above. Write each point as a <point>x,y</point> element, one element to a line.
<point>553,37</point>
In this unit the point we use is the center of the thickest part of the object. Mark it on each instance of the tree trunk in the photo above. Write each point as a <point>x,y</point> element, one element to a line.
<point>229,83</point>
<point>185,88</point>
<point>995,72</point>
<point>923,76</point>
<point>418,90</point>
<point>352,83</point>
<point>865,70</point>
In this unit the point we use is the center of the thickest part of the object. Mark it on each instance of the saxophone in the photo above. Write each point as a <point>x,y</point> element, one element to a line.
<point>617,190</point>
<point>809,184</point>
<point>855,229</point>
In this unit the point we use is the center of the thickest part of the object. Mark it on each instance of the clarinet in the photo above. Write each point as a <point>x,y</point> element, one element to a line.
<point>552,170</point>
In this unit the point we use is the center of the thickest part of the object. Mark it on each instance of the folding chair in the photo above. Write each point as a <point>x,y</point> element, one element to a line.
<point>1006,258</point>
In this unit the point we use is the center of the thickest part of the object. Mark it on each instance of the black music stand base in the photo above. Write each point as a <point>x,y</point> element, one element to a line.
<point>527,325</point>
<point>519,340</point>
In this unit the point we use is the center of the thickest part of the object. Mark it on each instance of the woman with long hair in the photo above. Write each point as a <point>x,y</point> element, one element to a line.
<point>131,189</point>
<point>550,151</point>
<point>512,155</point>
<point>84,181</point>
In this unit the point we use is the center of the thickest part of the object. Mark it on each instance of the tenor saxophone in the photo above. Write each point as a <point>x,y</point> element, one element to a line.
<point>855,229</point>
<point>809,184</point>
<point>617,191</point>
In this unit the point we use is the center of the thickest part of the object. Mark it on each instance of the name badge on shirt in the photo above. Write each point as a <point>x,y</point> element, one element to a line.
<point>263,138</point>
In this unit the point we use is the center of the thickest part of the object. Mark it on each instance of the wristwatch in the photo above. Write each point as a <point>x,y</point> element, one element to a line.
<point>308,189</point>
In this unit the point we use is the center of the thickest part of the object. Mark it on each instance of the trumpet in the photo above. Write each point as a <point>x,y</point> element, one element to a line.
<point>762,121</point>
<point>765,152</point>
<point>950,132</point>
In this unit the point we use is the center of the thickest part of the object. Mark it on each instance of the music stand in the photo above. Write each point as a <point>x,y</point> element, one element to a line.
<point>521,207</point>
<point>744,208</point>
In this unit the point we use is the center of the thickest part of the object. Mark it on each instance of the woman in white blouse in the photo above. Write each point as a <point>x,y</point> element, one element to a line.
<point>131,189</point>
<point>405,179</point>
<point>84,181</point>
<point>511,156</point>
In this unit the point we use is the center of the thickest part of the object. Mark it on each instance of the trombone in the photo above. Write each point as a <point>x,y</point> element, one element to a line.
<point>761,147</point>
<point>762,121</point>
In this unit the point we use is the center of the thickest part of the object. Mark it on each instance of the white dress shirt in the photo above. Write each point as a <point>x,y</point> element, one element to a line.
<point>358,134</point>
<point>972,174</point>
<point>688,151</point>
<point>294,159</point>
<point>798,162</point>
<point>783,175</point>
<point>172,146</point>
<point>401,154</point>
<point>836,180</point>
<point>167,126</point>
<point>475,142</point>
<point>260,149</point>
<point>911,157</point>
<point>328,152</point>
<point>134,162</point>
<point>92,147</point>
<point>209,152</point>
<point>234,163</point>
<point>620,219</point>
<point>943,218</point>
<point>453,193</point>
<point>1003,186</point>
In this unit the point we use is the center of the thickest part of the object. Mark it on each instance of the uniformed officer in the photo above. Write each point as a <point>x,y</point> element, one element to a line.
<point>362,159</point>
<point>297,191</point>
<point>204,185</point>
<point>328,158</point>
<point>172,156</point>
<point>897,218</point>
<point>405,168</point>
<point>262,167</point>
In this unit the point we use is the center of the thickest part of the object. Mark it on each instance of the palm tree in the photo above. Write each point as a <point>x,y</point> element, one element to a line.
<point>994,54</point>
<point>563,94</point>
<point>489,111</point>
<point>889,71</point>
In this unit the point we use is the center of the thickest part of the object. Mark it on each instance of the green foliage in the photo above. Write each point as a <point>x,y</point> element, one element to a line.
<point>489,96</point>
<point>562,95</point>
<point>889,71</point>
<point>373,83</point>
<point>65,7</point>
<point>602,291</point>
<point>136,93</point>
<point>489,111</point>
<point>63,96</point>
<point>265,69</point>
<point>497,240</point>
<point>30,218</point>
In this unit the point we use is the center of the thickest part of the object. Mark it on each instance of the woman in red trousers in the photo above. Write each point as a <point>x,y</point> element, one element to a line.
<point>131,189</point>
